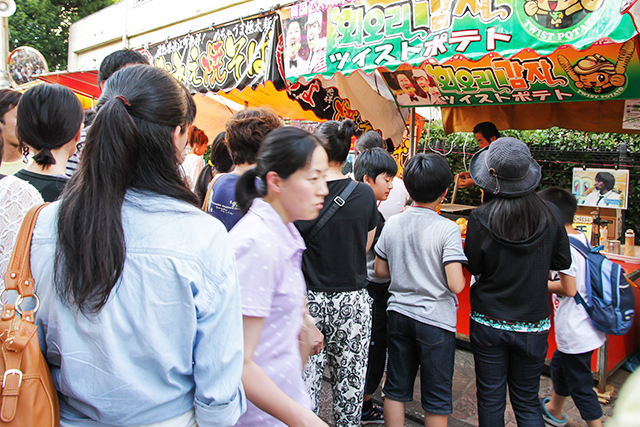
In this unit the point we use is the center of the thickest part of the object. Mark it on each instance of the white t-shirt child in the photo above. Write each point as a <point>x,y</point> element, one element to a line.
<point>575,333</point>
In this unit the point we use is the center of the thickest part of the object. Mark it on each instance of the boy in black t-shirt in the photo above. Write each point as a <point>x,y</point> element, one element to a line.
<point>376,167</point>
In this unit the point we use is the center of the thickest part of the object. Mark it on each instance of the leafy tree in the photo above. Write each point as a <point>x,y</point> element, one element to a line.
<point>44,25</point>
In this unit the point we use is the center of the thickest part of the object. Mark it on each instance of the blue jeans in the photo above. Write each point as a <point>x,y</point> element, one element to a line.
<point>513,358</point>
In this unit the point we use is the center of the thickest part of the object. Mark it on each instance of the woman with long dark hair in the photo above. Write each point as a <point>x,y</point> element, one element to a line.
<point>512,242</point>
<point>140,312</point>
<point>335,270</point>
<point>291,171</point>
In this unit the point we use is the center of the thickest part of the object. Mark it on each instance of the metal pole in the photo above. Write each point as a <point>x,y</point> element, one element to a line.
<point>125,38</point>
<point>4,53</point>
<point>412,132</point>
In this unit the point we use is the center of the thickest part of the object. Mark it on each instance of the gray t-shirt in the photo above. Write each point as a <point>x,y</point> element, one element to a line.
<point>417,244</point>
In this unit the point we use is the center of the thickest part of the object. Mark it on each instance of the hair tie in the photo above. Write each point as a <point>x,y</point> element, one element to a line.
<point>211,164</point>
<point>47,146</point>
<point>124,100</point>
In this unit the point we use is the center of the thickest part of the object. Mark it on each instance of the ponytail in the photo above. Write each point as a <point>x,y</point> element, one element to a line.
<point>130,145</point>
<point>44,157</point>
<point>246,189</point>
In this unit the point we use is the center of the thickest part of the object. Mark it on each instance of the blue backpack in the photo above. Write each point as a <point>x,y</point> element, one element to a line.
<point>610,303</point>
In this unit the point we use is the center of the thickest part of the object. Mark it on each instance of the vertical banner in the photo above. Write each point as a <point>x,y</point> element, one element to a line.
<point>239,54</point>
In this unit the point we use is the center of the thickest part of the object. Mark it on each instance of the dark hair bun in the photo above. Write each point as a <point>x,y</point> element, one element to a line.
<point>347,129</point>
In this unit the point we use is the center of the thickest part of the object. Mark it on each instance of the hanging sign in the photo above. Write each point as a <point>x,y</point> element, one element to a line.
<point>329,36</point>
<point>602,72</point>
<point>242,53</point>
<point>326,103</point>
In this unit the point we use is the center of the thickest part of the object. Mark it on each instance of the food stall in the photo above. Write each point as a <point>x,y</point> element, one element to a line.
<point>516,64</point>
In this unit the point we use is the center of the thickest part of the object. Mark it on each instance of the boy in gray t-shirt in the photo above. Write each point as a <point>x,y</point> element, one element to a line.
<point>422,254</point>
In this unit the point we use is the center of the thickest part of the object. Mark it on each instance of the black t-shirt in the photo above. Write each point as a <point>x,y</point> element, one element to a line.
<point>49,186</point>
<point>335,259</point>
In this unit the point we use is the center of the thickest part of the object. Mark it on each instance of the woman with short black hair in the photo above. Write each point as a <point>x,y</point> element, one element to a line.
<point>335,270</point>
<point>49,121</point>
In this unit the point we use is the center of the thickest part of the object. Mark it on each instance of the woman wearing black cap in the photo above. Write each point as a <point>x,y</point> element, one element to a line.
<point>512,243</point>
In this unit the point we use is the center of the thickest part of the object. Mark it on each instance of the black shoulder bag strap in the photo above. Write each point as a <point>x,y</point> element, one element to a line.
<point>338,202</point>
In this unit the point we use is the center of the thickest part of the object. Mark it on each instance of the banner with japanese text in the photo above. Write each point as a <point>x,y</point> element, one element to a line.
<point>242,53</point>
<point>326,104</point>
<point>602,72</point>
<point>329,36</point>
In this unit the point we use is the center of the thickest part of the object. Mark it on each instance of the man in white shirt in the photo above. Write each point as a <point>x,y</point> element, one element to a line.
<point>603,194</point>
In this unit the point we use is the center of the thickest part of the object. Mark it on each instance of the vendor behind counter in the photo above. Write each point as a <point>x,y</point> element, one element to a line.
<point>485,133</point>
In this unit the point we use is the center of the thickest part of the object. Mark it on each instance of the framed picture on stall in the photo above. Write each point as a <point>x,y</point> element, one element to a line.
<point>602,188</point>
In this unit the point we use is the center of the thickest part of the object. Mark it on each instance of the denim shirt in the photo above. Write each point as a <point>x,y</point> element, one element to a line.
<point>169,338</point>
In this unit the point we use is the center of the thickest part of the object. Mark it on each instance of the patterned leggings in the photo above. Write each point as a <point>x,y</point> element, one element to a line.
<point>345,320</point>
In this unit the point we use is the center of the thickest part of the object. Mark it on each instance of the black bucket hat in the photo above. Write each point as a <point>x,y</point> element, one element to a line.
<point>505,168</point>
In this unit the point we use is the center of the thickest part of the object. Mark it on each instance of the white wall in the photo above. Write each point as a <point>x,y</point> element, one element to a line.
<point>148,22</point>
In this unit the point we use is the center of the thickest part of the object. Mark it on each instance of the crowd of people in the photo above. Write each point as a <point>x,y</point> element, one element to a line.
<point>177,292</point>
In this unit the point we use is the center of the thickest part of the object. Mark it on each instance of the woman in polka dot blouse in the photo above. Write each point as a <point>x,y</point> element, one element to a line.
<point>291,185</point>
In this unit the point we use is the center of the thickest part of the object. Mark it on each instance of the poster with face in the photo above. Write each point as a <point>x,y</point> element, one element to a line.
<point>603,188</point>
<point>412,87</point>
<point>305,39</point>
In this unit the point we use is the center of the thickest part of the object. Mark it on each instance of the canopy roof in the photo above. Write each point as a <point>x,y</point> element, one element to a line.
<point>82,82</point>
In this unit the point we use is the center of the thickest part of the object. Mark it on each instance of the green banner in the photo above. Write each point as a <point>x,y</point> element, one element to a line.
<point>602,72</point>
<point>329,36</point>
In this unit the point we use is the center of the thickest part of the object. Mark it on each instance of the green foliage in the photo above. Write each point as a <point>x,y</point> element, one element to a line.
<point>557,150</point>
<point>44,25</point>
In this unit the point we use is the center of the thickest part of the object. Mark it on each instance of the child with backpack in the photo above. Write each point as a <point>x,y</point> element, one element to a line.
<point>576,337</point>
<point>421,252</point>
<point>377,168</point>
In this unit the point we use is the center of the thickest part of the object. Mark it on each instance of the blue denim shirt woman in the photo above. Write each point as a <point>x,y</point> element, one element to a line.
<point>140,316</point>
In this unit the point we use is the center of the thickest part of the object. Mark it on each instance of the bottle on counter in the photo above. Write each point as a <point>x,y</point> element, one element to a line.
<point>629,243</point>
<point>604,237</point>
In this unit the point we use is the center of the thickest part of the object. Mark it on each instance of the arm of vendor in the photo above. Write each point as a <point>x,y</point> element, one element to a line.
<point>485,134</point>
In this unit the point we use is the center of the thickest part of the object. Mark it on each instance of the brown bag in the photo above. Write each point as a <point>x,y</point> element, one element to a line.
<point>29,396</point>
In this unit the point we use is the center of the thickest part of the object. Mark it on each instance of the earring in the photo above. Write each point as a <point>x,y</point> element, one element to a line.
<point>25,153</point>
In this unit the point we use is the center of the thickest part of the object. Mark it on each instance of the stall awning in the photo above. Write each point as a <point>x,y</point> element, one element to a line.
<point>267,94</point>
<point>81,82</point>
<point>462,52</point>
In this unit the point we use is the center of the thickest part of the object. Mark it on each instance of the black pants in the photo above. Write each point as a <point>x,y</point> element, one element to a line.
<point>571,375</point>
<point>378,345</point>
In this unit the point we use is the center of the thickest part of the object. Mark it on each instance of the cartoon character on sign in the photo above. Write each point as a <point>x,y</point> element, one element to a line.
<point>560,13</point>
<point>597,74</point>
